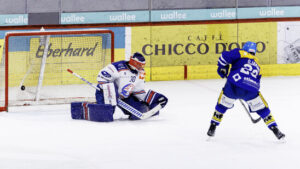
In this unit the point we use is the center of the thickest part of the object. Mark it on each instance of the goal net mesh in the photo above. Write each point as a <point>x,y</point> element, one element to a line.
<point>84,52</point>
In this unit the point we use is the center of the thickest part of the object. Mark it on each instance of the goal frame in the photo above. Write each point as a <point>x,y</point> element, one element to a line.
<point>44,33</point>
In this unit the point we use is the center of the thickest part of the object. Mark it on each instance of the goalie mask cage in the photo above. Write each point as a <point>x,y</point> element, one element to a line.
<point>34,65</point>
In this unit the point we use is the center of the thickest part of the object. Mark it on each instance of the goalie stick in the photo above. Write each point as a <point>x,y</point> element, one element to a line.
<point>123,104</point>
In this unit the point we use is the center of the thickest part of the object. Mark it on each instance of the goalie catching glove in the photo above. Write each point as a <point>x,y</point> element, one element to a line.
<point>153,99</point>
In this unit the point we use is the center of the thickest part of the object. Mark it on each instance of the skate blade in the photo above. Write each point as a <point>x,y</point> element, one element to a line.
<point>282,140</point>
<point>209,138</point>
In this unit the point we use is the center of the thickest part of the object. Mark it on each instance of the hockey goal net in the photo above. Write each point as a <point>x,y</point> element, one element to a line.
<point>34,65</point>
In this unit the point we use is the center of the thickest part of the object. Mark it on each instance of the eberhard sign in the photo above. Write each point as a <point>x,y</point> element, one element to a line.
<point>65,52</point>
<point>68,49</point>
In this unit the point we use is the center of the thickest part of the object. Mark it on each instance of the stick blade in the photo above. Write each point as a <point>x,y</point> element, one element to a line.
<point>151,112</point>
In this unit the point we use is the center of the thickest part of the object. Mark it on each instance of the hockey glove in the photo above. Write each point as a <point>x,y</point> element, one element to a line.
<point>153,98</point>
<point>223,70</point>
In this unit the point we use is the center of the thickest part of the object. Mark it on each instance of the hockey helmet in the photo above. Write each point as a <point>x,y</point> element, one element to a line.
<point>250,47</point>
<point>137,61</point>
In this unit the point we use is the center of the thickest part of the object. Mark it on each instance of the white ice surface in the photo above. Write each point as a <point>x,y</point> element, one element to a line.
<point>45,137</point>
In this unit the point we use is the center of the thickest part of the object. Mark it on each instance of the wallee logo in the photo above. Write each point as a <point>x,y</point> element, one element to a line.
<point>271,12</point>
<point>122,17</point>
<point>69,51</point>
<point>173,15</point>
<point>17,20</point>
<point>223,14</point>
<point>73,19</point>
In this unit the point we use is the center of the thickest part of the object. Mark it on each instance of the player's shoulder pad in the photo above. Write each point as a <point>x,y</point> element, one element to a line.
<point>235,51</point>
<point>120,65</point>
<point>232,53</point>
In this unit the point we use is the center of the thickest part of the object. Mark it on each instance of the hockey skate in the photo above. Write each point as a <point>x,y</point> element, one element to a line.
<point>212,129</point>
<point>278,133</point>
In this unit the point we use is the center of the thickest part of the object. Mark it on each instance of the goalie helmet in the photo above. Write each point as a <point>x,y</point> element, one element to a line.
<point>137,61</point>
<point>250,47</point>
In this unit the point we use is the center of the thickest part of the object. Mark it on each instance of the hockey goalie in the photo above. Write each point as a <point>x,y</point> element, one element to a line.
<point>125,81</point>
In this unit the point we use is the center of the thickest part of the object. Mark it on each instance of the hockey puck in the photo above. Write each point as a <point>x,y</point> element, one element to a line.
<point>22,87</point>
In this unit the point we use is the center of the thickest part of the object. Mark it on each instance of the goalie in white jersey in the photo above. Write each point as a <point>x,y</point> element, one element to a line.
<point>128,78</point>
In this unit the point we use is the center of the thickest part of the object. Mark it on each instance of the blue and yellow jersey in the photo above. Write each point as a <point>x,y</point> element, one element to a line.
<point>245,69</point>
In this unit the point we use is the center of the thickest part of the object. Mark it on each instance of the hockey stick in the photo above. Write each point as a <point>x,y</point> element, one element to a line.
<point>123,104</point>
<point>252,119</point>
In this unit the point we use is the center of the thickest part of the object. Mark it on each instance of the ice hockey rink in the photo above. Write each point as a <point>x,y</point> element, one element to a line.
<point>45,137</point>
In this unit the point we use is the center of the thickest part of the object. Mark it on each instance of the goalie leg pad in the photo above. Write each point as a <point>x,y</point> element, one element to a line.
<point>76,110</point>
<point>135,103</point>
<point>92,112</point>
<point>101,112</point>
<point>99,97</point>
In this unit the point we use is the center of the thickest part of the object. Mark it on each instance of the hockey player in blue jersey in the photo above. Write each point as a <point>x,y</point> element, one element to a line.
<point>243,82</point>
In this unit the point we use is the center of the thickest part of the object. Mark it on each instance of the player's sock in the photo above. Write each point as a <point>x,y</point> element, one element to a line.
<point>215,121</point>
<point>270,122</point>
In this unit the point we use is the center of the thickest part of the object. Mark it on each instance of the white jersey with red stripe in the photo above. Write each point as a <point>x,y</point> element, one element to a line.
<point>128,82</point>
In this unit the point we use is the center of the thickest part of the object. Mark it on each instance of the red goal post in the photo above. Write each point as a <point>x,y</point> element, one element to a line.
<point>34,65</point>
